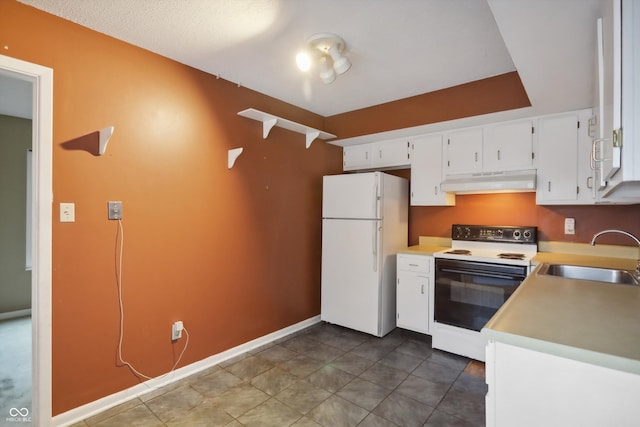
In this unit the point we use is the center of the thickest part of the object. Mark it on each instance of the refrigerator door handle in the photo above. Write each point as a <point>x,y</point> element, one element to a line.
<point>375,246</point>
<point>375,197</point>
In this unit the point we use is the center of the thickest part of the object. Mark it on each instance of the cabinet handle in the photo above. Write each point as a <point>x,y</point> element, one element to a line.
<point>476,156</point>
<point>594,148</point>
<point>590,182</point>
<point>435,190</point>
<point>549,186</point>
<point>366,155</point>
<point>422,289</point>
<point>413,265</point>
<point>498,154</point>
<point>380,153</point>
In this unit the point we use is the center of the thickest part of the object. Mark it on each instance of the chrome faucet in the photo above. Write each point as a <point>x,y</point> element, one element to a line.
<point>595,236</point>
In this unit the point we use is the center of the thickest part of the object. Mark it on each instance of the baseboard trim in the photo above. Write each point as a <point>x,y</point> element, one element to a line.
<point>15,314</point>
<point>85,411</point>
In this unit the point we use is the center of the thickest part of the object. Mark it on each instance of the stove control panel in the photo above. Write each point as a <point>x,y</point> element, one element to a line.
<point>486,233</point>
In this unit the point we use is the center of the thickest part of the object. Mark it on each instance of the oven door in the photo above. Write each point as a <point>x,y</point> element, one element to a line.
<point>468,293</point>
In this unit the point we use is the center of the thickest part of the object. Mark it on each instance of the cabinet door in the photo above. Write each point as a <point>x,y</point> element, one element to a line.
<point>426,173</point>
<point>573,393</point>
<point>464,151</point>
<point>608,96</point>
<point>412,302</point>
<point>508,146</point>
<point>391,154</point>
<point>357,157</point>
<point>557,177</point>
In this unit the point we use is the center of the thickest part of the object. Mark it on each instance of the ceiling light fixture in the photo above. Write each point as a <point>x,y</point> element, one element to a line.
<point>326,50</point>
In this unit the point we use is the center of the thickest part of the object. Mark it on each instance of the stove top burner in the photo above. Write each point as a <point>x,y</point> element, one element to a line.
<point>511,255</point>
<point>459,252</point>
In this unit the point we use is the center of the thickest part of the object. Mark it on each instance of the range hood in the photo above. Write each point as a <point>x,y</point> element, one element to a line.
<point>490,182</point>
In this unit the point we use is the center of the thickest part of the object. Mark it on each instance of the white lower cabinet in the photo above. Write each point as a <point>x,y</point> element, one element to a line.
<point>414,306</point>
<point>528,388</point>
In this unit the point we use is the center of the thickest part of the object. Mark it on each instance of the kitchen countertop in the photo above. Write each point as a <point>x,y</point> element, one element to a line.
<point>422,250</point>
<point>592,322</point>
<point>587,321</point>
<point>427,245</point>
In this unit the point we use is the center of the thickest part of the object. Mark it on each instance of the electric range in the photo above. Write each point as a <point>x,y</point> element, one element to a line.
<point>473,278</point>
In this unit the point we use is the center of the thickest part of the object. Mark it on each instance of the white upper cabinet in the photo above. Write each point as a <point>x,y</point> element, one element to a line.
<point>607,106</point>
<point>564,175</point>
<point>377,155</point>
<point>617,150</point>
<point>426,172</point>
<point>464,151</point>
<point>557,179</point>
<point>497,147</point>
<point>508,146</point>
<point>357,157</point>
<point>392,154</point>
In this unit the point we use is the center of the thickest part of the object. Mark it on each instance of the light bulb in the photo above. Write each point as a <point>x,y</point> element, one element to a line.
<point>303,60</point>
<point>340,63</point>
<point>327,74</point>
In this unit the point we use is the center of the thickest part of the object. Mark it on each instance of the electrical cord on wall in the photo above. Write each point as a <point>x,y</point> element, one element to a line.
<point>120,235</point>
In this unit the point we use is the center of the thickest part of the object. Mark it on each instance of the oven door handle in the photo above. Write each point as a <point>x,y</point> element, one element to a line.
<point>481,273</point>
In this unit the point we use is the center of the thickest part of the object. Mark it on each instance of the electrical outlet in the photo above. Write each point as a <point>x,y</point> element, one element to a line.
<point>176,330</point>
<point>569,226</point>
<point>115,210</point>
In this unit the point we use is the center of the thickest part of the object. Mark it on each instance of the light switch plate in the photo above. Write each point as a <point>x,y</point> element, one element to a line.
<point>569,226</point>
<point>115,210</point>
<point>67,212</point>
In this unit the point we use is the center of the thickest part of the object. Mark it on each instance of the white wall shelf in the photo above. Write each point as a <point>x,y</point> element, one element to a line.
<point>269,121</point>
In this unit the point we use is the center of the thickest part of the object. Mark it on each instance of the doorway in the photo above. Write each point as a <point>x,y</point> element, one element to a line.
<point>41,80</point>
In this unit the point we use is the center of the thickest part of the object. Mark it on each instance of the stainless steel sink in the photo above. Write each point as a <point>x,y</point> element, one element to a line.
<point>618,277</point>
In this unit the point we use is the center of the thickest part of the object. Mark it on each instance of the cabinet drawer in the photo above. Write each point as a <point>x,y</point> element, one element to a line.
<point>413,263</point>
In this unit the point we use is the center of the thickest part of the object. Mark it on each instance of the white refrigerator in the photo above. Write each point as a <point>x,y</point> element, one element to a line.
<point>364,225</point>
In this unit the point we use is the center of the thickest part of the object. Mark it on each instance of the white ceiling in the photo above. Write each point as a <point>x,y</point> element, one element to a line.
<point>398,48</point>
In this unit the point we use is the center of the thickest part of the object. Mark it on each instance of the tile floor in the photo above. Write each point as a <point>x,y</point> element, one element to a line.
<point>325,375</point>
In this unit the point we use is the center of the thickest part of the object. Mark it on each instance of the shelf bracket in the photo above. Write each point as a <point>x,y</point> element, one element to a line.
<point>267,125</point>
<point>311,136</point>
<point>232,156</point>
<point>105,135</point>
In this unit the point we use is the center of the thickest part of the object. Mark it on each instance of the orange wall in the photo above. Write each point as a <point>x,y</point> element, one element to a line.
<point>498,93</point>
<point>235,253</point>
<point>520,209</point>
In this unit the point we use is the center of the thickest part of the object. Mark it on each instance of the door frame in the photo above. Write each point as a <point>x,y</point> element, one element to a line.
<point>41,219</point>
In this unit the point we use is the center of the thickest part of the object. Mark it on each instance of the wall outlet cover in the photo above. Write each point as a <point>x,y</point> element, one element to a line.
<point>115,210</point>
<point>569,226</point>
<point>176,330</point>
<point>67,212</point>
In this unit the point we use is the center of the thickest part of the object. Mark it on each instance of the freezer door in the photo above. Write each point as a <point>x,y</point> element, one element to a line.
<point>351,196</point>
<point>351,274</point>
